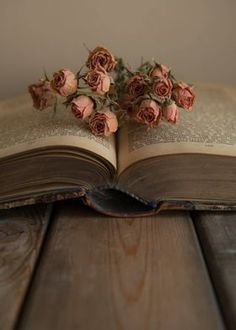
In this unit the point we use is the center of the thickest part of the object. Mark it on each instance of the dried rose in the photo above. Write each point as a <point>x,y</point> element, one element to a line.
<point>136,85</point>
<point>183,95</point>
<point>159,71</point>
<point>42,94</point>
<point>162,87</point>
<point>98,80</point>
<point>64,82</point>
<point>148,112</point>
<point>101,57</point>
<point>82,106</point>
<point>171,113</point>
<point>103,123</point>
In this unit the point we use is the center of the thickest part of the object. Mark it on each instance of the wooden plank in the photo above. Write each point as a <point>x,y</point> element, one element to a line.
<point>21,234</point>
<point>217,234</point>
<point>99,272</point>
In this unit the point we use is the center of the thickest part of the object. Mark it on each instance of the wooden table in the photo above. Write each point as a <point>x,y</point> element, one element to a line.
<point>63,266</point>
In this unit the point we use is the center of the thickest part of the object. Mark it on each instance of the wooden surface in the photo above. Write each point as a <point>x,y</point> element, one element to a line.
<point>170,271</point>
<point>217,235</point>
<point>21,235</point>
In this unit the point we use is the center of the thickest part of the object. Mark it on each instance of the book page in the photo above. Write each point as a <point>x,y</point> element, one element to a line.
<point>24,128</point>
<point>210,128</point>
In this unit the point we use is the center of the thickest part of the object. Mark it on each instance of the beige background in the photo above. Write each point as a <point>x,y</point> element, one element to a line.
<point>196,38</point>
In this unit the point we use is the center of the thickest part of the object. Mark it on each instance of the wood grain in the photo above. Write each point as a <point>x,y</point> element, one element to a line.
<point>21,234</point>
<point>105,273</point>
<point>217,234</point>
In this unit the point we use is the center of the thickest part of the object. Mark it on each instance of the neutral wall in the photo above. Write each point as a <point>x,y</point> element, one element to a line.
<point>196,38</point>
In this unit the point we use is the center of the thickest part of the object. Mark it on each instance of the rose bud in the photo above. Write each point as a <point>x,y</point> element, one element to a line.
<point>98,80</point>
<point>159,71</point>
<point>64,82</point>
<point>82,106</point>
<point>42,94</point>
<point>162,87</point>
<point>103,123</point>
<point>101,57</point>
<point>148,112</point>
<point>171,113</point>
<point>183,95</point>
<point>136,85</point>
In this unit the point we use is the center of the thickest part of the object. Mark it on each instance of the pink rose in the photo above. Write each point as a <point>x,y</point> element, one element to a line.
<point>148,112</point>
<point>42,94</point>
<point>171,113</point>
<point>183,95</point>
<point>103,123</point>
<point>64,82</point>
<point>159,71</point>
<point>98,80</point>
<point>101,57</point>
<point>162,87</point>
<point>82,106</point>
<point>136,85</point>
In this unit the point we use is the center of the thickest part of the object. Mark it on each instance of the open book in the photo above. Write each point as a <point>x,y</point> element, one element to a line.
<point>191,165</point>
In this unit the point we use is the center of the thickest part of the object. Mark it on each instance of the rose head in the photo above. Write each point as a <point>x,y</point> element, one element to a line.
<point>82,106</point>
<point>103,123</point>
<point>98,81</point>
<point>64,82</point>
<point>183,95</point>
<point>42,94</point>
<point>159,71</point>
<point>101,57</point>
<point>171,113</point>
<point>136,85</point>
<point>148,112</point>
<point>162,87</point>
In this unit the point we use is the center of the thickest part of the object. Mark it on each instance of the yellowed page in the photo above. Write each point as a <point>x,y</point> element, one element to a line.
<point>23,128</point>
<point>210,128</point>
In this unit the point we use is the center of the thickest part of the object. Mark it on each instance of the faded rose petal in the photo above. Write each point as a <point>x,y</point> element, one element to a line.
<point>136,85</point>
<point>103,123</point>
<point>162,87</point>
<point>82,106</point>
<point>101,57</point>
<point>98,80</point>
<point>148,112</point>
<point>183,95</point>
<point>159,71</point>
<point>64,82</point>
<point>171,113</point>
<point>42,94</point>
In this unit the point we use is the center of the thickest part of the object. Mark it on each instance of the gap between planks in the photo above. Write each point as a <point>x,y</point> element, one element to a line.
<point>22,231</point>
<point>217,235</point>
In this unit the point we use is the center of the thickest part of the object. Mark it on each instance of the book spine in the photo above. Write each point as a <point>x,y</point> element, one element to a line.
<point>114,201</point>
